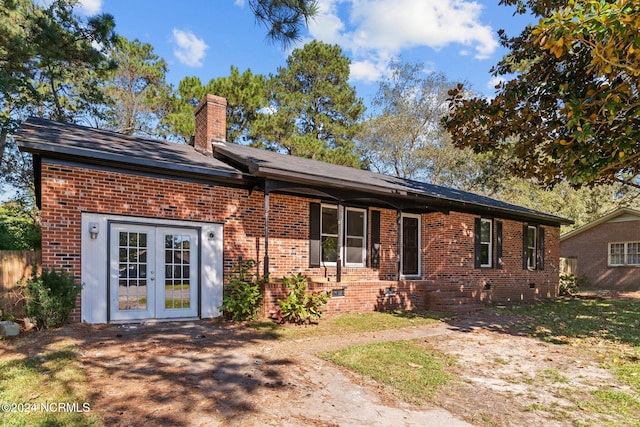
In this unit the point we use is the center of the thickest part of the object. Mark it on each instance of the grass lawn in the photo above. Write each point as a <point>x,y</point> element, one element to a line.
<point>45,390</point>
<point>608,329</point>
<point>605,330</point>
<point>411,368</point>
<point>348,324</point>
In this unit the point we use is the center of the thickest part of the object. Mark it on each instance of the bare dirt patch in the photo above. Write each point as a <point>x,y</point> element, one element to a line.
<point>216,373</point>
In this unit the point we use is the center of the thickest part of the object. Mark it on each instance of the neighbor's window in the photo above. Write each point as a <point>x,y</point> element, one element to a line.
<point>486,246</point>
<point>531,247</point>
<point>624,253</point>
<point>633,253</point>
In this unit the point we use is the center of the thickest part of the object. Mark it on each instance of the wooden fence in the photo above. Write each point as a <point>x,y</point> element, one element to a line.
<point>14,267</point>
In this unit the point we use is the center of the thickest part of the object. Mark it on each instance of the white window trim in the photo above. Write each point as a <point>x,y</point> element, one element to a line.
<point>626,257</point>
<point>419,217</point>
<point>489,243</point>
<point>343,256</point>
<point>625,254</point>
<point>337,236</point>
<point>364,238</point>
<point>532,263</point>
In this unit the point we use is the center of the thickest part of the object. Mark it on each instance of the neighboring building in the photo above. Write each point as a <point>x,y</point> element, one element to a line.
<point>125,214</point>
<point>607,250</point>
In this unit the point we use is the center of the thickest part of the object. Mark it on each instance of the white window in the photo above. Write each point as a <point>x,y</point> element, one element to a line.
<point>354,251</point>
<point>633,253</point>
<point>531,247</point>
<point>486,245</point>
<point>356,229</point>
<point>329,234</point>
<point>624,253</point>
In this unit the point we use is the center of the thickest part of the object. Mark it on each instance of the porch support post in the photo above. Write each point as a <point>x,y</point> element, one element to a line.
<point>340,239</point>
<point>266,229</point>
<point>399,256</point>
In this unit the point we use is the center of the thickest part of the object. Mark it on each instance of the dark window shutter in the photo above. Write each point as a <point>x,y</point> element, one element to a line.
<point>314,234</point>
<point>498,263</point>
<point>524,247</point>
<point>375,239</point>
<point>477,262</point>
<point>541,248</point>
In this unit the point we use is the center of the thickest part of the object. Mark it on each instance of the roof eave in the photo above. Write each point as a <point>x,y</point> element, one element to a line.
<point>122,162</point>
<point>429,201</point>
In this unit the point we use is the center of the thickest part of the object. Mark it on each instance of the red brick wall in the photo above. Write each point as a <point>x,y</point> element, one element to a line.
<point>591,247</point>
<point>447,260</point>
<point>447,255</point>
<point>67,191</point>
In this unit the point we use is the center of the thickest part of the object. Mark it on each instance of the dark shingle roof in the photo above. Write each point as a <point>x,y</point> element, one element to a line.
<point>294,169</point>
<point>237,164</point>
<point>73,142</point>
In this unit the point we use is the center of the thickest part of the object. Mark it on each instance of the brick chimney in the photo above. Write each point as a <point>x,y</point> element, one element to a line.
<point>211,123</point>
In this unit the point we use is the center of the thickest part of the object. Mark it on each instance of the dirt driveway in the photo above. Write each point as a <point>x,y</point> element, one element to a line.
<point>214,373</point>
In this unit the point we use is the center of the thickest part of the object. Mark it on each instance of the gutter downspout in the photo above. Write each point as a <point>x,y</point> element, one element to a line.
<point>266,230</point>
<point>399,255</point>
<point>340,238</point>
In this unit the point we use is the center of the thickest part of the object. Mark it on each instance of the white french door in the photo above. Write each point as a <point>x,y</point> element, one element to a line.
<point>153,272</point>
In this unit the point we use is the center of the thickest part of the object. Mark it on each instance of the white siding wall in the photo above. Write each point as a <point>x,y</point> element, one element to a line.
<point>95,276</point>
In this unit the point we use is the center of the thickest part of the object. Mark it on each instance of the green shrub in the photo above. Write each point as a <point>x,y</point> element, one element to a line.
<point>50,297</point>
<point>301,306</point>
<point>242,295</point>
<point>569,284</point>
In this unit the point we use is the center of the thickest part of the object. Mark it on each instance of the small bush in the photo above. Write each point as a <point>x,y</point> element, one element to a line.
<point>569,284</point>
<point>301,306</point>
<point>50,297</point>
<point>242,295</point>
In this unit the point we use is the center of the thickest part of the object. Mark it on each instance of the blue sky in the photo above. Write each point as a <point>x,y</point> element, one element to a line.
<point>204,38</point>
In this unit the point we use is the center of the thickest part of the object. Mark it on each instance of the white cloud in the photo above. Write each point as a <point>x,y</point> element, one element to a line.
<point>374,31</point>
<point>90,7</point>
<point>190,50</point>
<point>367,71</point>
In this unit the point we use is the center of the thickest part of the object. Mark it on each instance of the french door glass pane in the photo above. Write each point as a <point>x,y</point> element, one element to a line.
<point>177,284</point>
<point>132,292</point>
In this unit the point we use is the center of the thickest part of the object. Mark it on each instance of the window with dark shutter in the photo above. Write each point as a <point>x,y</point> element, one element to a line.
<point>375,239</point>
<point>483,243</point>
<point>530,247</point>
<point>314,234</point>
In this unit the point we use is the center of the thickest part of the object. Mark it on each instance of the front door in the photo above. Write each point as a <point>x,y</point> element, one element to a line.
<point>153,272</point>
<point>410,245</point>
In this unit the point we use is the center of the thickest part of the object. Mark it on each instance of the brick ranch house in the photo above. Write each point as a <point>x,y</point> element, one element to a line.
<point>607,250</point>
<point>152,228</point>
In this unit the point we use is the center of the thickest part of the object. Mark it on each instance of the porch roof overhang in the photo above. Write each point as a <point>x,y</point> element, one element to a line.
<point>304,177</point>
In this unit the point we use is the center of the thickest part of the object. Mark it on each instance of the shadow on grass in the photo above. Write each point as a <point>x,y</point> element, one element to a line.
<point>558,321</point>
<point>155,374</point>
